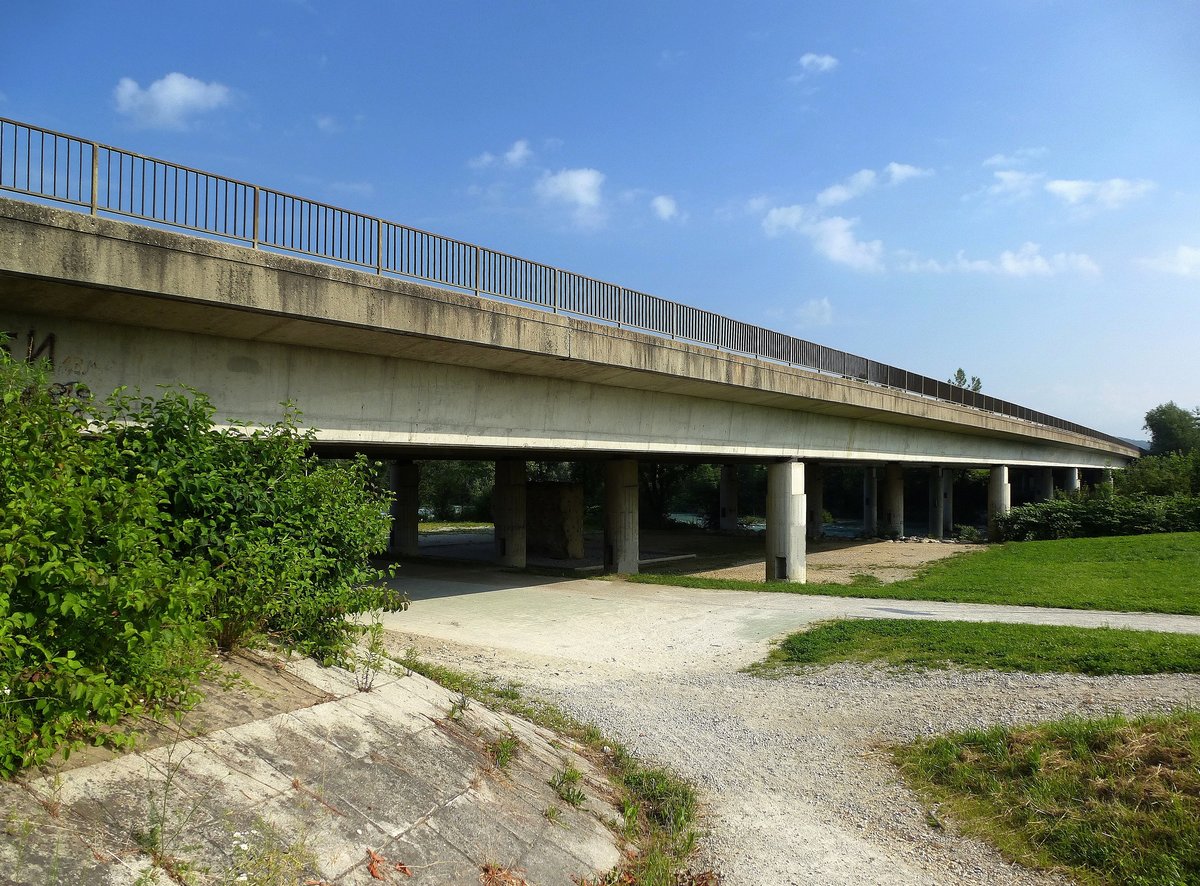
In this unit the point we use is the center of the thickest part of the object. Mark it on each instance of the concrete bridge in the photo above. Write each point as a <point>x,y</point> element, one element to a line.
<point>406,370</point>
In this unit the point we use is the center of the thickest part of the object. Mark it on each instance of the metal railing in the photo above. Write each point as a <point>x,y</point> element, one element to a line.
<point>41,163</point>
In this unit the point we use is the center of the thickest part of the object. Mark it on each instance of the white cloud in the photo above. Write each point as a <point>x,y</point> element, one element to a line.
<point>482,161</point>
<point>1012,184</point>
<point>665,207</point>
<point>781,219</point>
<point>327,123</point>
<point>815,312</point>
<point>1111,193</point>
<point>818,64</point>
<point>168,103</point>
<point>518,153</point>
<point>578,189</point>
<point>834,238</point>
<point>902,172</point>
<point>854,186</point>
<point>1016,158</point>
<point>1026,261</point>
<point>1184,261</point>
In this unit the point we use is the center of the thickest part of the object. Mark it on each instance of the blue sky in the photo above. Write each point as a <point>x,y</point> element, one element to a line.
<point>1010,187</point>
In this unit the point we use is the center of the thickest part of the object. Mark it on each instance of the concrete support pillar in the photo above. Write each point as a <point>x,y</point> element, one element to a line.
<point>893,500</point>
<point>814,491</point>
<point>999,497</point>
<point>621,516</point>
<point>1071,483</point>
<point>870,502</point>
<point>1045,484</point>
<point>785,521</point>
<point>729,498</point>
<point>947,502</point>
<point>404,482</point>
<point>937,503</point>
<point>1106,477</point>
<point>508,512</point>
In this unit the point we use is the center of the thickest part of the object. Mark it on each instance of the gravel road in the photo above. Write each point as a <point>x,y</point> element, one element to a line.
<point>793,772</point>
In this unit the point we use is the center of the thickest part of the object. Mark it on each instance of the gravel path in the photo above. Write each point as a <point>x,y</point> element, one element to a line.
<point>793,772</point>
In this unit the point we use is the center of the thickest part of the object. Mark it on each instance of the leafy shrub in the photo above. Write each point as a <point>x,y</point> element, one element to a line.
<point>133,532</point>
<point>282,538</point>
<point>1100,515</point>
<point>96,618</point>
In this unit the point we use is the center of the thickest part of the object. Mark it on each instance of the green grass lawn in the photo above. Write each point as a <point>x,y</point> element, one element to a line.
<point>1110,801</point>
<point>1136,573</point>
<point>911,643</point>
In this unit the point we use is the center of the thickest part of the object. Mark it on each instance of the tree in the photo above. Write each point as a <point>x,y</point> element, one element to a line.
<point>1173,429</point>
<point>960,380</point>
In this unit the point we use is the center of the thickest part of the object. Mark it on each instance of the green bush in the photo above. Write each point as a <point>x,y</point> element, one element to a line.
<point>282,538</point>
<point>1100,515</point>
<point>134,532</point>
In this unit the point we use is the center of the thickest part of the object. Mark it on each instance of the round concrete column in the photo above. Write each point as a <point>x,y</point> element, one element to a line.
<point>870,502</point>
<point>404,483</point>
<point>1071,483</point>
<point>508,512</point>
<point>621,516</point>
<point>729,498</point>
<point>814,492</point>
<point>785,522</point>
<point>999,497</point>
<point>893,500</point>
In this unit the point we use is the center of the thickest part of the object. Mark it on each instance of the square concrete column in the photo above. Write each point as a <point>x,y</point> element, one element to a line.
<point>937,503</point>
<point>785,522</point>
<point>729,498</point>
<point>814,492</point>
<point>947,502</point>
<point>508,512</point>
<point>893,500</point>
<point>1071,483</point>
<point>999,498</point>
<point>1045,481</point>
<point>621,516</point>
<point>870,502</point>
<point>404,480</point>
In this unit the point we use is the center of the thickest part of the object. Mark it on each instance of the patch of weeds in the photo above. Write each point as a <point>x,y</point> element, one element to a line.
<point>1112,800</point>
<point>659,808</point>
<point>503,750</point>
<point>552,814</point>
<point>261,857</point>
<point>492,874</point>
<point>371,660</point>
<point>458,707</point>
<point>566,784</point>
<point>166,820</point>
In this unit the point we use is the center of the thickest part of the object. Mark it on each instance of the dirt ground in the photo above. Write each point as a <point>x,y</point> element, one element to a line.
<point>838,562</point>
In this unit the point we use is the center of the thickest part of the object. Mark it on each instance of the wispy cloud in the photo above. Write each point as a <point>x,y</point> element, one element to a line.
<point>665,207</point>
<point>902,172</point>
<point>578,189</point>
<point>854,186</point>
<point>816,63</point>
<point>168,103</point>
<point>1026,261</point>
<point>1111,193</point>
<point>327,123</point>
<point>1184,261</point>
<point>832,237</point>
<point>1019,157</point>
<point>516,156</point>
<point>1013,184</point>
<point>814,312</point>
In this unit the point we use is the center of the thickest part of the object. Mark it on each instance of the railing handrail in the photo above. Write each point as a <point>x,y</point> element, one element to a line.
<point>241,211</point>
